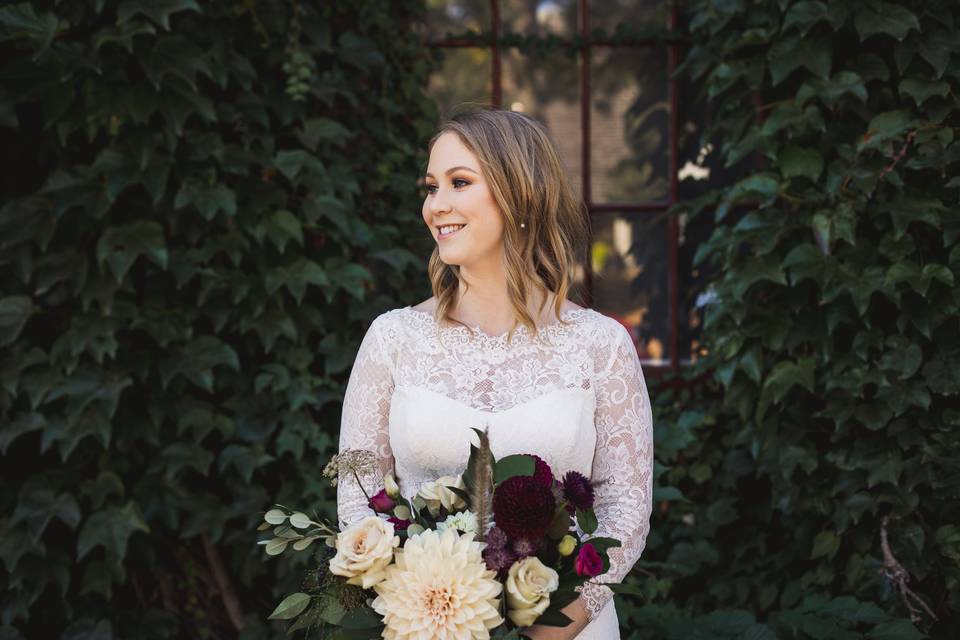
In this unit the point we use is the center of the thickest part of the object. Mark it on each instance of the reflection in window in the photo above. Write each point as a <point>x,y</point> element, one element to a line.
<point>453,17</point>
<point>539,17</point>
<point>547,89</point>
<point>464,76</point>
<point>630,277</point>
<point>630,111</point>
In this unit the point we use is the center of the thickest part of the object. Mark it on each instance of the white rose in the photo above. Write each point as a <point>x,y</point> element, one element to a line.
<point>364,550</point>
<point>465,521</point>
<point>436,494</point>
<point>529,585</point>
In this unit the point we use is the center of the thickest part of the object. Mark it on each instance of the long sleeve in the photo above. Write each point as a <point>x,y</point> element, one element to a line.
<point>622,465</point>
<point>364,421</point>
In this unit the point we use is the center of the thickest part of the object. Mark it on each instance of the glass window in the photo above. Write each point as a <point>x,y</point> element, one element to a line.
<point>629,125</point>
<point>464,76</point>
<point>547,88</point>
<point>450,17</point>
<point>630,261</point>
<point>539,17</point>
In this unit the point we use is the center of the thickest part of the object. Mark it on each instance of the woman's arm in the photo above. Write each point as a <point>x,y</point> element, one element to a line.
<point>363,425</point>
<point>622,465</point>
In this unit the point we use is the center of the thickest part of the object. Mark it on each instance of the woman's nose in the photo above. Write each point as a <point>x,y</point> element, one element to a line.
<point>439,203</point>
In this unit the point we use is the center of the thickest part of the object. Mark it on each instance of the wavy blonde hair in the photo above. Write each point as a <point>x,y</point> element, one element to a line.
<point>521,165</point>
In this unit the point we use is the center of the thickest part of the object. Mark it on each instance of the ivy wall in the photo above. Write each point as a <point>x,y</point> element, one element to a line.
<point>809,483</point>
<point>203,204</point>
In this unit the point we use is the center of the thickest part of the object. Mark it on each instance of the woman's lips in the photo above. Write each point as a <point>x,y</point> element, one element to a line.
<point>441,236</point>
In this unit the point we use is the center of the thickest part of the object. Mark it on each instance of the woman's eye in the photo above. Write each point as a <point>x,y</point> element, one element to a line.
<point>431,188</point>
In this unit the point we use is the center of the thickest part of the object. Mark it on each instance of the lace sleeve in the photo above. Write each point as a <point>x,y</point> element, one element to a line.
<point>622,466</point>
<point>363,424</point>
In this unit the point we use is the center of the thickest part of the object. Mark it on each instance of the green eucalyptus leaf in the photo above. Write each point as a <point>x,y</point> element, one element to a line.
<point>290,607</point>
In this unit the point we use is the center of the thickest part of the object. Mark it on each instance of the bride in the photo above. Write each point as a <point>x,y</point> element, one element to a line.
<point>499,345</point>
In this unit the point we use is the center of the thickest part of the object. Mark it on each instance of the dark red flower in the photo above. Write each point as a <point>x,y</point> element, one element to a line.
<point>381,502</point>
<point>542,471</point>
<point>577,491</point>
<point>398,524</point>
<point>523,507</point>
<point>588,562</point>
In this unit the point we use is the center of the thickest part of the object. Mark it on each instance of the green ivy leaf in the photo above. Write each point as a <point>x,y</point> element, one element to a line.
<point>159,11</point>
<point>886,469</point>
<point>797,161</point>
<point>885,126</point>
<point>121,246</point>
<point>37,505</point>
<point>922,90</point>
<point>317,129</point>
<point>197,360</point>
<point>21,21</point>
<point>14,313</point>
<point>111,529</point>
<point>244,459</point>
<point>791,53</point>
<point>825,544</point>
<point>804,15</point>
<point>208,199</point>
<point>885,18</point>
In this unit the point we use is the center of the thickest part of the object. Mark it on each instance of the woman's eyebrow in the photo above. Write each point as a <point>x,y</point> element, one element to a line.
<point>451,170</point>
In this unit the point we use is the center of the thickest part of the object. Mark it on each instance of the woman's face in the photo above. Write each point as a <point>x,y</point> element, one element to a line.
<point>457,194</point>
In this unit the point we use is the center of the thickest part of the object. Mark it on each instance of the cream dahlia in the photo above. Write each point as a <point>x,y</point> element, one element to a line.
<point>438,587</point>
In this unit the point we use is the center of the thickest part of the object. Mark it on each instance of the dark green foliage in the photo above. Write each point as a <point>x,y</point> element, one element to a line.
<point>827,424</point>
<point>203,203</point>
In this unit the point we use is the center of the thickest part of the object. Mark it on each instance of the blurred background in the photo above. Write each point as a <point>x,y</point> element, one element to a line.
<point>203,204</point>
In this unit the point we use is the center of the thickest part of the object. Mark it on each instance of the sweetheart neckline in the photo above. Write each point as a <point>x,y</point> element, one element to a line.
<point>472,408</point>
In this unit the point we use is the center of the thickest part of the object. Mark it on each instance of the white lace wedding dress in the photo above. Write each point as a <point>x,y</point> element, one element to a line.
<point>575,396</point>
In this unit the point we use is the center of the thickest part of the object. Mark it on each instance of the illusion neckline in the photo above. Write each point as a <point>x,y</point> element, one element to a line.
<point>485,337</point>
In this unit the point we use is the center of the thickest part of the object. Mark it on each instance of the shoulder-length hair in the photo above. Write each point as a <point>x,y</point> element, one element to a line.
<point>521,165</point>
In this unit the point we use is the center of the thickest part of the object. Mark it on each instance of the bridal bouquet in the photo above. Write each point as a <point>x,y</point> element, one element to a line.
<point>480,555</point>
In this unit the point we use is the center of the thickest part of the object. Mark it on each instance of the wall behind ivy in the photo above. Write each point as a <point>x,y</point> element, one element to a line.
<point>203,203</point>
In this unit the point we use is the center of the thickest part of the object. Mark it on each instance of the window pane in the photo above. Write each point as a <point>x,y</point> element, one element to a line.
<point>463,76</point>
<point>456,16</point>
<point>641,15</point>
<point>548,88</point>
<point>539,17</point>
<point>630,278</point>
<point>629,119</point>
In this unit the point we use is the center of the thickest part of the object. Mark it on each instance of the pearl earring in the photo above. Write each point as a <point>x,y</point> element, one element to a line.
<point>523,225</point>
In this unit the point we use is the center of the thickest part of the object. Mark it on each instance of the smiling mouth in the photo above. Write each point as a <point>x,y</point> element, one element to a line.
<point>456,230</point>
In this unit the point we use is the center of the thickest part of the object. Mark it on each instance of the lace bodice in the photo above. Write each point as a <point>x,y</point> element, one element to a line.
<point>575,395</point>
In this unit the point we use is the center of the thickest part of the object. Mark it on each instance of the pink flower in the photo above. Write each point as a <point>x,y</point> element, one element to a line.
<point>398,524</point>
<point>381,503</point>
<point>588,562</point>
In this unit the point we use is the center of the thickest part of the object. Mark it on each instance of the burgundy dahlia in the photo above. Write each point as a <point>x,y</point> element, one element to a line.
<point>542,471</point>
<point>577,491</point>
<point>523,507</point>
